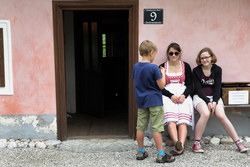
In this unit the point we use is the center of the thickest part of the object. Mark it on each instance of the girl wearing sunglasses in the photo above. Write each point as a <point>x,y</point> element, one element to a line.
<point>178,106</point>
<point>207,99</point>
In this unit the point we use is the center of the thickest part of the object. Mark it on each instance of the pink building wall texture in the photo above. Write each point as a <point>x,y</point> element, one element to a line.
<point>33,57</point>
<point>222,25</point>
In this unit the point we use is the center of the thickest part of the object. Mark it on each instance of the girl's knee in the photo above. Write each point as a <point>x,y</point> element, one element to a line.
<point>203,110</point>
<point>220,114</point>
<point>221,117</point>
<point>205,114</point>
<point>171,124</point>
<point>182,125</point>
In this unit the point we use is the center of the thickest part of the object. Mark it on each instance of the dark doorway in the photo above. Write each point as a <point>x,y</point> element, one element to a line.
<point>64,95</point>
<point>101,74</point>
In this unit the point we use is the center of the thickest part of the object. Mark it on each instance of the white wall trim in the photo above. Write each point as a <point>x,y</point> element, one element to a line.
<point>8,89</point>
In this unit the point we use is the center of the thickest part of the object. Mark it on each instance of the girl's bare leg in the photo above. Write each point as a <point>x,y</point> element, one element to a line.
<point>229,128</point>
<point>202,122</point>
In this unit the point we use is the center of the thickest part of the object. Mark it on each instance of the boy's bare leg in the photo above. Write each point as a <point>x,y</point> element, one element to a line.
<point>140,139</point>
<point>158,141</point>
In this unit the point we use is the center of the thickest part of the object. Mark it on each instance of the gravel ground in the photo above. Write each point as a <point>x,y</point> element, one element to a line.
<point>112,155</point>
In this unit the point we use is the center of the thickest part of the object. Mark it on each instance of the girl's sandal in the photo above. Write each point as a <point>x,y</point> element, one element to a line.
<point>174,153</point>
<point>178,146</point>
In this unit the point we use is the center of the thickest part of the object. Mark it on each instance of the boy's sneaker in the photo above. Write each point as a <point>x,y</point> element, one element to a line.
<point>141,155</point>
<point>241,147</point>
<point>165,158</point>
<point>197,147</point>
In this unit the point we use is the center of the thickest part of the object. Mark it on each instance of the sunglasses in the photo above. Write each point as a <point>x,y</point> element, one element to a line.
<point>173,53</point>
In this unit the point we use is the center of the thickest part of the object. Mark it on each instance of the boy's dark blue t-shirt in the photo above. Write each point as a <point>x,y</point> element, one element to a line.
<point>147,92</point>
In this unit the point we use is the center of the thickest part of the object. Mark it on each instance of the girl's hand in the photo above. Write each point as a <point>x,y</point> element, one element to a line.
<point>174,99</point>
<point>210,108</point>
<point>209,105</point>
<point>181,98</point>
<point>162,70</point>
<point>213,107</point>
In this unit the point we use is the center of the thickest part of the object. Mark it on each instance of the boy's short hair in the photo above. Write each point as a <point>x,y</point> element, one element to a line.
<point>146,47</point>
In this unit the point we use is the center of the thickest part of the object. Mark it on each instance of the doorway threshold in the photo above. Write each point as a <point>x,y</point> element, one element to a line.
<point>98,137</point>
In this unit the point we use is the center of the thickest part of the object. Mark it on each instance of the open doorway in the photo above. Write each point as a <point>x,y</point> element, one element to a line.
<point>61,41</point>
<point>96,58</point>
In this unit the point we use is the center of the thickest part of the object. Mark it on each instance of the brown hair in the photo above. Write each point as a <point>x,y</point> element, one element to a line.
<point>210,52</point>
<point>175,46</point>
<point>146,47</point>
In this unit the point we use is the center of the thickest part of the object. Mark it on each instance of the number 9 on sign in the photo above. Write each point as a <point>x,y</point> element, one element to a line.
<point>153,16</point>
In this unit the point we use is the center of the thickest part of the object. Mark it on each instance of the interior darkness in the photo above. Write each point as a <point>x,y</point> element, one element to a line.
<point>101,65</point>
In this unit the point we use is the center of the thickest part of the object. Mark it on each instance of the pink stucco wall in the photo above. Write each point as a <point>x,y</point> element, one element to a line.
<point>33,57</point>
<point>222,25</point>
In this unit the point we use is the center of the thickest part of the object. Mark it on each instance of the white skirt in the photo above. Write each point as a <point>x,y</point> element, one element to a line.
<point>182,113</point>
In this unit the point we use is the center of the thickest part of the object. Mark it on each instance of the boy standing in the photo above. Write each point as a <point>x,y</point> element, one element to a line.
<point>149,81</point>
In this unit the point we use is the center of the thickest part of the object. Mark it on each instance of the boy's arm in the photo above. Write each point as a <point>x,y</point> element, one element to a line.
<point>162,81</point>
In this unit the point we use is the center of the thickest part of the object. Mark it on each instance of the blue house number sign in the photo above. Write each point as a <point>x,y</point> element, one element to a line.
<point>153,16</point>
